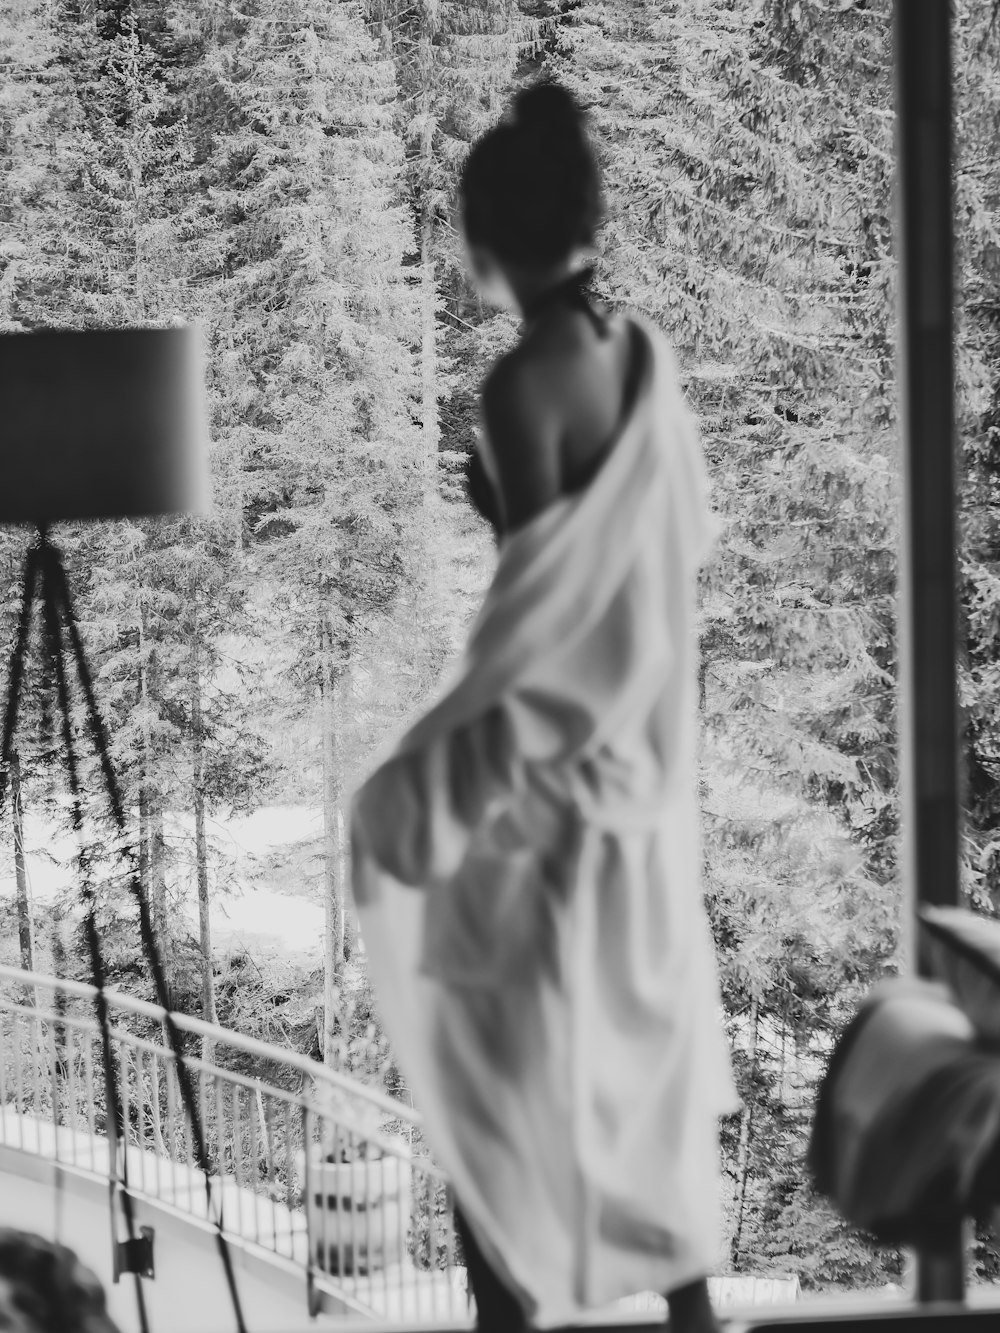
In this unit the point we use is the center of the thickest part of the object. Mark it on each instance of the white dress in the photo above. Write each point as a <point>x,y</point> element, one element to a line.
<point>527,874</point>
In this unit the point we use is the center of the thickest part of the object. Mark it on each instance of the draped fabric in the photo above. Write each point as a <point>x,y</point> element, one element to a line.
<point>526,868</point>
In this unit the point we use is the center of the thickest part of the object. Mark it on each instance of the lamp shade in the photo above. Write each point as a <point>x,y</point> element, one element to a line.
<point>102,424</point>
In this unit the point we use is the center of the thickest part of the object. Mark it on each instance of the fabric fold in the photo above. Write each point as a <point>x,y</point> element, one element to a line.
<point>526,866</point>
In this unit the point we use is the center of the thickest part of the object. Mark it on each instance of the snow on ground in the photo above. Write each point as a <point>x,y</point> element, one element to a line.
<point>265,830</point>
<point>261,921</point>
<point>247,915</point>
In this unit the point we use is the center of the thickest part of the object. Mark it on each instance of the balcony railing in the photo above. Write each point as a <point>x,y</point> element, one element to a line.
<point>370,1232</point>
<point>312,1168</point>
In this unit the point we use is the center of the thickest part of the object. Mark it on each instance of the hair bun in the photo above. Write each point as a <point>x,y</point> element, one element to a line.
<point>531,186</point>
<point>547,107</point>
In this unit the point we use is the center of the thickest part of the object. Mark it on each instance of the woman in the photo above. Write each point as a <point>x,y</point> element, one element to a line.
<point>526,861</point>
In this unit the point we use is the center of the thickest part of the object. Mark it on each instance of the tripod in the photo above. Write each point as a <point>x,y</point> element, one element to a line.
<point>46,586</point>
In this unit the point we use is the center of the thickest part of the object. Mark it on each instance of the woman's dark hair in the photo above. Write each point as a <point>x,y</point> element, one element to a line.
<point>531,187</point>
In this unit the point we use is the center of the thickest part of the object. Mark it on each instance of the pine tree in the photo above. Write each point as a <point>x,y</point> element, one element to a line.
<point>455,66</point>
<point>977,270</point>
<point>107,198</point>
<point>325,327</point>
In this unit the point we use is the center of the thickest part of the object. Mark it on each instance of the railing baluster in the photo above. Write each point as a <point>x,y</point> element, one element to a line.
<point>331,1188</point>
<point>125,1097</point>
<point>255,1159</point>
<point>26,1049</point>
<point>153,1118</point>
<point>238,1170</point>
<point>162,1107</point>
<point>3,1078</point>
<point>53,1062</point>
<point>19,1079</point>
<point>289,1175</point>
<point>346,1249</point>
<point>206,1120</point>
<point>360,1146</point>
<point>125,1081</point>
<point>34,1041</point>
<point>272,1180</point>
<point>196,1186</point>
<point>308,1186</point>
<point>168,1074</point>
<point>140,1115</point>
<point>220,1153</point>
<point>88,1074</point>
<point>70,1049</point>
<point>385,1230</point>
<point>220,1123</point>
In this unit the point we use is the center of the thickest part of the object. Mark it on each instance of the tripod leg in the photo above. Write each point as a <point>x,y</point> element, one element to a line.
<point>61,597</point>
<point>58,597</point>
<point>54,634</point>
<point>32,569</point>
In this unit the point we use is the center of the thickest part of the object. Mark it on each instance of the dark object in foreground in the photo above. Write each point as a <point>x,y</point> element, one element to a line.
<point>44,1288</point>
<point>963,950</point>
<point>907,1128</point>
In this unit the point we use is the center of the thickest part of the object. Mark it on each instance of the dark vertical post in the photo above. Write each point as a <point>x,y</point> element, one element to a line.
<point>928,700</point>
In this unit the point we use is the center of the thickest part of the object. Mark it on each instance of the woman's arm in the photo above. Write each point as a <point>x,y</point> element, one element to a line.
<point>481,492</point>
<point>523,430</point>
<point>416,814</point>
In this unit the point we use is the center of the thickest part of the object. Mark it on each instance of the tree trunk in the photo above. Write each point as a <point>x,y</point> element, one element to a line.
<point>152,846</point>
<point>746,1129</point>
<point>144,838</point>
<point>784,1062</point>
<point>333,888</point>
<point>158,875</point>
<point>428,355</point>
<point>347,905</point>
<point>200,847</point>
<point>204,920</point>
<point>25,926</point>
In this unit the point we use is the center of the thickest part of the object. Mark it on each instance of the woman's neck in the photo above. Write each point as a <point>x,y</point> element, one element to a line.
<point>572,288</point>
<point>530,284</point>
<point>572,292</point>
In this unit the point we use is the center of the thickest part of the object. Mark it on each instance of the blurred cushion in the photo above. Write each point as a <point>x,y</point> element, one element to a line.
<point>44,1288</point>
<point>963,950</point>
<point>908,1118</point>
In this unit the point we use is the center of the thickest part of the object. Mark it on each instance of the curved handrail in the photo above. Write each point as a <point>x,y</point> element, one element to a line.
<point>314,1174</point>
<point>213,1033</point>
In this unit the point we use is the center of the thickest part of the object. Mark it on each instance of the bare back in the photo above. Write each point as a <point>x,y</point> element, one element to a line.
<point>553,406</point>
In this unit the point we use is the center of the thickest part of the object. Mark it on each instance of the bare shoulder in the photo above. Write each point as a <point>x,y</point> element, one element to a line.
<point>513,382</point>
<point>523,431</point>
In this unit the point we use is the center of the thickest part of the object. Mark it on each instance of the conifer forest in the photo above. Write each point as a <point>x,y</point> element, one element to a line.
<point>283,174</point>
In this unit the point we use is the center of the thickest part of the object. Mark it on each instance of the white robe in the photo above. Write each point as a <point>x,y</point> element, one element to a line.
<point>527,874</point>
